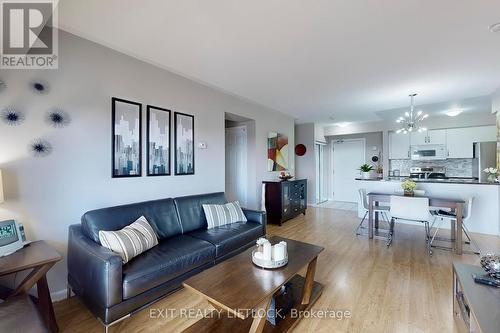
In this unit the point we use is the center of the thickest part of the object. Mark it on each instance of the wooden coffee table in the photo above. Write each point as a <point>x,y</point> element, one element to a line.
<point>236,286</point>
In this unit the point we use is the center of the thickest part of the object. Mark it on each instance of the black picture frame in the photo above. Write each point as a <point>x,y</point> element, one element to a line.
<point>180,170</point>
<point>115,170</point>
<point>168,171</point>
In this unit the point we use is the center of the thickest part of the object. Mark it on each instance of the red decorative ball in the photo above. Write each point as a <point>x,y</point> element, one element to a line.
<point>300,150</point>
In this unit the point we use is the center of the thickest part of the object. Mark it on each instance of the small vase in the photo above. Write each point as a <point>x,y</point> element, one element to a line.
<point>409,193</point>
<point>366,175</point>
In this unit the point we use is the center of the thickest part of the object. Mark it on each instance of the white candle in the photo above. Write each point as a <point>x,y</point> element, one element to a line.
<point>267,249</point>
<point>284,246</point>
<point>278,252</point>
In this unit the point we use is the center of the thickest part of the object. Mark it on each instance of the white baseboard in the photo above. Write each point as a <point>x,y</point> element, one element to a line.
<point>58,295</point>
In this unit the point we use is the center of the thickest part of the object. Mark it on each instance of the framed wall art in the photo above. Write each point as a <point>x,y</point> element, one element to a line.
<point>277,152</point>
<point>158,141</point>
<point>126,137</point>
<point>184,144</point>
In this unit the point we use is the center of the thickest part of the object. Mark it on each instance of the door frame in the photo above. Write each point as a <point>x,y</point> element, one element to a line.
<point>332,183</point>
<point>245,179</point>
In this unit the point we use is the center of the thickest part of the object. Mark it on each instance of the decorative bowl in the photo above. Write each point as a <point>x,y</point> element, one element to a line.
<point>271,264</point>
<point>491,264</point>
<point>285,177</point>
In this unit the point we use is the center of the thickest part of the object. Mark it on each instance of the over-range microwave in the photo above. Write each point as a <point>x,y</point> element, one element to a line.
<point>429,152</point>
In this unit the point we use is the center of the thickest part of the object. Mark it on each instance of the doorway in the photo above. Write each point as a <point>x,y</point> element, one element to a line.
<point>348,155</point>
<point>238,135</point>
<point>321,185</point>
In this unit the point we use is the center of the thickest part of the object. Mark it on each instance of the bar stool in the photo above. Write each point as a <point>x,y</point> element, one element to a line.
<point>410,209</point>
<point>452,217</point>
<point>382,210</point>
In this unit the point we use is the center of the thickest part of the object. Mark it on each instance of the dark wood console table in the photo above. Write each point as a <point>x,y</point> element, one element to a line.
<point>39,257</point>
<point>476,307</point>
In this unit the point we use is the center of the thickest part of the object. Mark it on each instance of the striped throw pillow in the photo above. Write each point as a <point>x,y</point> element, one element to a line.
<point>131,240</point>
<point>218,215</point>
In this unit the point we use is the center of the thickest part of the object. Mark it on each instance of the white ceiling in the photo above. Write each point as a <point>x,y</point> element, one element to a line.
<point>310,59</point>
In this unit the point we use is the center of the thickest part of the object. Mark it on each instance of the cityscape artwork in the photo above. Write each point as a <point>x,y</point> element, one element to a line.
<point>158,141</point>
<point>126,117</point>
<point>184,144</point>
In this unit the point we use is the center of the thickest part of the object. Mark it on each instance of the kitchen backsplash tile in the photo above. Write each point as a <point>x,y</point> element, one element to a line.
<point>455,167</point>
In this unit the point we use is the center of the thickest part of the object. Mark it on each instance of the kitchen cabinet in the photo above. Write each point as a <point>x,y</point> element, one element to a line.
<point>460,140</point>
<point>430,137</point>
<point>399,146</point>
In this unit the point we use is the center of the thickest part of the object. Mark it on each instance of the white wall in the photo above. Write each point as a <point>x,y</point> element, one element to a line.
<point>48,194</point>
<point>305,165</point>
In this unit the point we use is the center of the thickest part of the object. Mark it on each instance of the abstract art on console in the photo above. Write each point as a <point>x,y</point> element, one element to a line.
<point>184,144</point>
<point>127,138</point>
<point>158,141</point>
<point>277,152</point>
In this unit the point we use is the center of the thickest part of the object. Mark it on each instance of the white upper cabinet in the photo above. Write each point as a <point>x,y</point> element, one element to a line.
<point>460,140</point>
<point>399,146</point>
<point>418,138</point>
<point>436,137</point>
<point>431,137</point>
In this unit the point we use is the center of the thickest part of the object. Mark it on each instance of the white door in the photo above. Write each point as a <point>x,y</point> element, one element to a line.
<point>236,164</point>
<point>348,156</point>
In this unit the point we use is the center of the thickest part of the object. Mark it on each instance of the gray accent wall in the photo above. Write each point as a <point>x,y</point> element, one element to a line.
<point>48,194</point>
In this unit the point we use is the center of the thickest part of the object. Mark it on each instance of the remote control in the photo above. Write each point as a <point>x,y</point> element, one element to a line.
<point>486,279</point>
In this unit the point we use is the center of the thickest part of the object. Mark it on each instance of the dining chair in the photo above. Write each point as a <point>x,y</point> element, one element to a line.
<point>409,209</point>
<point>441,215</point>
<point>363,201</point>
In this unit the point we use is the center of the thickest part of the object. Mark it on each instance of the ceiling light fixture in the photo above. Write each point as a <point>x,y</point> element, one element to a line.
<point>344,124</point>
<point>495,27</point>
<point>411,122</point>
<point>453,113</point>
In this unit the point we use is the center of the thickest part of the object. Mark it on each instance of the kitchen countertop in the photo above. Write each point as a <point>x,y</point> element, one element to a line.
<point>450,180</point>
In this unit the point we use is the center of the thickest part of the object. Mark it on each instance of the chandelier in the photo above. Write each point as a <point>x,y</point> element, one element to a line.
<point>412,122</point>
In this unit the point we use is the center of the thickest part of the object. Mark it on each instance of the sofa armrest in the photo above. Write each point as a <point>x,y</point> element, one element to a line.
<point>255,215</point>
<point>95,271</point>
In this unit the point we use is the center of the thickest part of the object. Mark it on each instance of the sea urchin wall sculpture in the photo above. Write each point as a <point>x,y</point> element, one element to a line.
<point>3,85</point>
<point>57,118</point>
<point>39,87</point>
<point>12,116</point>
<point>40,148</point>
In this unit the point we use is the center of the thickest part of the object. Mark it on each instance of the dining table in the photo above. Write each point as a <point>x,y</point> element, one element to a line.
<point>454,204</point>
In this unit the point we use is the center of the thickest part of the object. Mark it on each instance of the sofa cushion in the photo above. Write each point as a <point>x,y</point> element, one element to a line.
<point>130,241</point>
<point>190,209</point>
<point>219,215</point>
<point>169,259</point>
<point>230,237</point>
<point>161,214</point>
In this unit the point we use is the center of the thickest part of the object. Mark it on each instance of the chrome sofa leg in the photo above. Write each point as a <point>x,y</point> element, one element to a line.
<point>68,292</point>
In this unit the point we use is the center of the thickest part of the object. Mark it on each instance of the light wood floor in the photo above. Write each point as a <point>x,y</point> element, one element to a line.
<point>400,289</point>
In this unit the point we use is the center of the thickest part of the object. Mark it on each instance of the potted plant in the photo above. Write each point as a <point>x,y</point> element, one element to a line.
<point>366,171</point>
<point>408,187</point>
<point>492,174</point>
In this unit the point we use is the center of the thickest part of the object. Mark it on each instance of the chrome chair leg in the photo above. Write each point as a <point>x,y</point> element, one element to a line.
<point>390,235</point>
<point>360,224</point>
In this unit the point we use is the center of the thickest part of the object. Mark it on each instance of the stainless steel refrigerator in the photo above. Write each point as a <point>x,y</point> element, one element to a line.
<point>485,156</point>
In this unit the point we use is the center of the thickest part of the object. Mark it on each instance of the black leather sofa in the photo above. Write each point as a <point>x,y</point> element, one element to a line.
<point>113,291</point>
